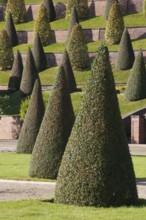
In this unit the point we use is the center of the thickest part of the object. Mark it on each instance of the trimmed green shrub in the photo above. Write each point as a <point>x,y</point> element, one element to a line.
<point>29,75</point>
<point>73,21</point>
<point>136,86</point>
<point>115,25</point>
<point>4,104</point>
<point>17,9</point>
<point>6,51</point>
<point>42,26</point>
<point>144,7</point>
<point>69,72</point>
<point>96,168</point>
<point>54,131</point>
<point>81,6</point>
<point>38,54</point>
<point>24,106</point>
<point>50,9</point>
<point>32,121</point>
<point>108,7</point>
<point>125,57</point>
<point>10,28</point>
<point>16,73</point>
<point>77,49</point>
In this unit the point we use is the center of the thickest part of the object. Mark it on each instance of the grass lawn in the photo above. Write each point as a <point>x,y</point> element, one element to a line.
<point>39,210</point>
<point>15,166</point>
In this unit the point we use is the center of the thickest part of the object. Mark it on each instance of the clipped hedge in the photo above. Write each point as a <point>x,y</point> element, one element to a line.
<point>81,6</point>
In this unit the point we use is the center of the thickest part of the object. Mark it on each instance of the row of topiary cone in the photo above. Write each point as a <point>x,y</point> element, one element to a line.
<point>96,167</point>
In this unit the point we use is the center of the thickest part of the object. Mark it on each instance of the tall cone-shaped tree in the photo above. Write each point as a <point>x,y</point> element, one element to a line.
<point>17,9</point>
<point>50,9</point>
<point>29,75</point>
<point>125,57</point>
<point>108,7</point>
<point>32,121</point>
<point>10,28</point>
<point>38,54</point>
<point>69,72</point>
<point>136,86</point>
<point>115,25</point>
<point>81,6</point>
<point>96,168</point>
<point>54,131</point>
<point>77,49</point>
<point>6,51</point>
<point>16,72</point>
<point>42,25</point>
<point>73,21</point>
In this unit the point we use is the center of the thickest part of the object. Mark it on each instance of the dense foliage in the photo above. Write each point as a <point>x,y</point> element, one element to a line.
<point>6,51</point>
<point>54,131</point>
<point>77,49</point>
<point>42,25</point>
<point>50,9</point>
<point>96,168</point>
<point>32,121</point>
<point>17,9</point>
<point>136,86</point>
<point>81,6</point>
<point>11,31</point>
<point>125,56</point>
<point>16,72</point>
<point>108,7</point>
<point>115,25</point>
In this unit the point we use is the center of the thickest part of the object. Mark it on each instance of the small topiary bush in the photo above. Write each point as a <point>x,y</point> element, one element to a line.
<point>17,9</point>
<point>42,26</point>
<point>115,25</point>
<point>6,51</point>
<point>4,104</point>
<point>81,6</point>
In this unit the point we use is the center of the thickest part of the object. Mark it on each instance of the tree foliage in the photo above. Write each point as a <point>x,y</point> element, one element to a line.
<point>32,121</point>
<point>77,49</point>
<point>6,51</point>
<point>108,7</point>
<point>50,9</point>
<point>96,168</point>
<point>136,86</point>
<point>54,131</point>
<point>125,57</point>
<point>115,25</point>
<point>81,6</point>
<point>42,25</point>
<point>11,31</point>
<point>17,9</point>
<point>16,72</point>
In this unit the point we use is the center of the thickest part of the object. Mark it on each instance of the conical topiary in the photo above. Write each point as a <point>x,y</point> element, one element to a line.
<point>108,7</point>
<point>50,9</point>
<point>115,25</point>
<point>17,9</point>
<point>81,6</point>
<point>29,75</point>
<point>77,49</point>
<point>69,72</point>
<point>32,121</point>
<point>38,54</point>
<point>136,86</point>
<point>73,21</point>
<point>6,51</point>
<point>10,28</point>
<point>96,168</point>
<point>125,57</point>
<point>16,72</point>
<point>42,25</point>
<point>54,131</point>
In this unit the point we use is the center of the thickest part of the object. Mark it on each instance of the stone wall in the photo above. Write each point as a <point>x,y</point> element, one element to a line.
<point>10,127</point>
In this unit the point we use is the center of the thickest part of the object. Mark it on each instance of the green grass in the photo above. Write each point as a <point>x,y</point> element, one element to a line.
<point>39,210</point>
<point>15,166</point>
